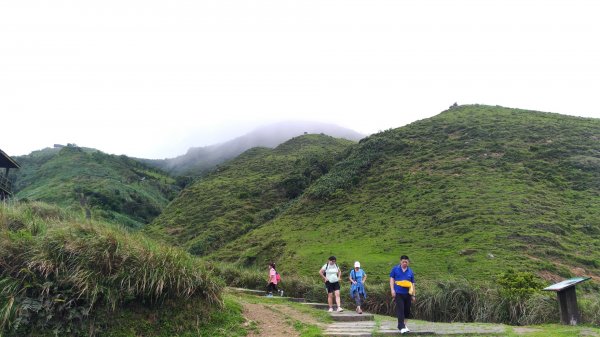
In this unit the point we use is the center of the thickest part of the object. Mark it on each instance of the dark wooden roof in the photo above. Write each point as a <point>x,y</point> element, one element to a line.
<point>6,161</point>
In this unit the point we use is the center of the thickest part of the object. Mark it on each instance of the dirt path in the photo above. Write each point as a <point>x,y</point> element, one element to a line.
<point>274,320</point>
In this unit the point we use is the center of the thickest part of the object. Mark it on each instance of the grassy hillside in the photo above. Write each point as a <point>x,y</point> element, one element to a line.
<point>245,193</point>
<point>60,275</point>
<point>109,187</point>
<point>200,160</point>
<point>468,193</point>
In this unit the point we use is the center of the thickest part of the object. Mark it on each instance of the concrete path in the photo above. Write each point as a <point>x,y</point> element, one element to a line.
<point>418,328</point>
<point>350,324</point>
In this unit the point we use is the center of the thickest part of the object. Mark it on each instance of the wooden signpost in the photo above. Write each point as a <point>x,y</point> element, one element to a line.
<point>567,299</point>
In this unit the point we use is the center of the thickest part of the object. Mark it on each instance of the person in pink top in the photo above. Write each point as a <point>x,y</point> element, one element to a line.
<point>272,283</point>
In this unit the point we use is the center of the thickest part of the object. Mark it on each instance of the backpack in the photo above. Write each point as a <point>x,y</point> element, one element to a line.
<point>277,277</point>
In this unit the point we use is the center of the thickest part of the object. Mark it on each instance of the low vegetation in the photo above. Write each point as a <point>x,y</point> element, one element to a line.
<point>62,275</point>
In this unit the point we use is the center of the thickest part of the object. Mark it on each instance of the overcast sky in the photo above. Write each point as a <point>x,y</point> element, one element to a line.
<point>152,78</point>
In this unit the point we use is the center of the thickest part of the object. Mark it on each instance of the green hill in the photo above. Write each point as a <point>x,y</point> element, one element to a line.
<point>114,188</point>
<point>468,193</point>
<point>246,192</point>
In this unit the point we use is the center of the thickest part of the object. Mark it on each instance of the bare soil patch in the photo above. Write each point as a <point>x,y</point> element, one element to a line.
<point>274,320</point>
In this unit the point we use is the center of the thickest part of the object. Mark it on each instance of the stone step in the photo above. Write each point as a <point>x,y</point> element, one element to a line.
<point>318,305</point>
<point>248,291</point>
<point>348,325</point>
<point>347,334</point>
<point>351,316</point>
<point>263,293</point>
<point>396,332</point>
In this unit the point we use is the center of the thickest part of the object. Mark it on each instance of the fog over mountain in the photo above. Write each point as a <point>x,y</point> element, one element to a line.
<point>198,160</point>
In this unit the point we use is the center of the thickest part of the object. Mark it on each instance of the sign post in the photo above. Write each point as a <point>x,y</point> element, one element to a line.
<point>567,299</point>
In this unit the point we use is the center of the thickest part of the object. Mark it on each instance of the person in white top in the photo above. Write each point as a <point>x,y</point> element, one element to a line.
<point>331,274</point>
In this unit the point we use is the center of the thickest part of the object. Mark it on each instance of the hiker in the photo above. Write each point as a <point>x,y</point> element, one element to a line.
<point>331,274</point>
<point>273,280</point>
<point>358,278</point>
<point>402,286</point>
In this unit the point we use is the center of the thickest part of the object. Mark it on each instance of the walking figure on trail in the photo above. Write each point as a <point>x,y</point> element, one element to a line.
<point>273,280</point>
<point>331,274</point>
<point>402,287</point>
<point>357,289</point>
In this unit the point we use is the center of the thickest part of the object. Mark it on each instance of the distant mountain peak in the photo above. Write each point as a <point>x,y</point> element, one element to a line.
<point>198,160</point>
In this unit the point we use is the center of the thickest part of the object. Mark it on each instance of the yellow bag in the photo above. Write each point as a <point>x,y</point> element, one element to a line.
<point>407,284</point>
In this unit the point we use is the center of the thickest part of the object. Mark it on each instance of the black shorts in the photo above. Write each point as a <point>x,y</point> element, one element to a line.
<point>272,287</point>
<point>331,287</point>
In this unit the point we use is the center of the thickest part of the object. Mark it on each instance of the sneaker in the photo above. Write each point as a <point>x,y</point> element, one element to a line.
<point>330,310</point>
<point>359,310</point>
<point>269,295</point>
<point>403,331</point>
<point>281,292</point>
<point>340,309</point>
<point>406,327</point>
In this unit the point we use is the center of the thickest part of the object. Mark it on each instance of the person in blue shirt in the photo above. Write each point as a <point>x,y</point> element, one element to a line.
<point>357,288</point>
<point>402,280</point>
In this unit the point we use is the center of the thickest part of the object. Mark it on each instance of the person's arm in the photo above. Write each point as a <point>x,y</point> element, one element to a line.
<point>392,291</point>
<point>339,273</point>
<point>350,278</point>
<point>414,295</point>
<point>364,278</point>
<point>321,274</point>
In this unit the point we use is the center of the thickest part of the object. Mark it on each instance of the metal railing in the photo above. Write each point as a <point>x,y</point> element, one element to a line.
<point>5,184</point>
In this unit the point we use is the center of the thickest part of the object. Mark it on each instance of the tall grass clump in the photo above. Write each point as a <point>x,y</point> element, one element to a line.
<point>590,309</point>
<point>463,301</point>
<point>55,273</point>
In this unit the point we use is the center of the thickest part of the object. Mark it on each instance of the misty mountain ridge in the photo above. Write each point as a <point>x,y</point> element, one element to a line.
<point>199,160</point>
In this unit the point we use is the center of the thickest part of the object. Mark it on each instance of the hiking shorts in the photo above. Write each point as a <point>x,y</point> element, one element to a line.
<point>331,287</point>
<point>272,287</point>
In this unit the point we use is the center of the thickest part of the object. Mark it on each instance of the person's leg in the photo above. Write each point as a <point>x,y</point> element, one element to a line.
<point>407,307</point>
<point>400,311</point>
<point>356,296</point>
<point>358,303</point>
<point>329,296</point>
<point>337,297</point>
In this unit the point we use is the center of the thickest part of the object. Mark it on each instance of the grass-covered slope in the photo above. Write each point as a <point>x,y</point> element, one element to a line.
<point>109,187</point>
<point>245,192</point>
<point>467,193</point>
<point>60,275</point>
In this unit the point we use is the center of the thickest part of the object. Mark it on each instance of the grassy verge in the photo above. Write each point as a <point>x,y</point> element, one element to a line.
<point>61,275</point>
